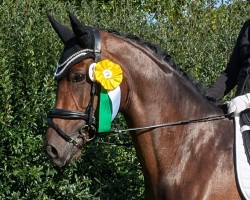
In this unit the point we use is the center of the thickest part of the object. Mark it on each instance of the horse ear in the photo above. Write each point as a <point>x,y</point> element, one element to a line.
<point>83,34</point>
<point>62,31</point>
<point>77,27</point>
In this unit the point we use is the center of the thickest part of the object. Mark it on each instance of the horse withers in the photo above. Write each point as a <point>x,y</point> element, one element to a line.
<point>181,161</point>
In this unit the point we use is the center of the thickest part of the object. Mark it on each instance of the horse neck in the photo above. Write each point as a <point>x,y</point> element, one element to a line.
<point>154,93</point>
<point>151,87</point>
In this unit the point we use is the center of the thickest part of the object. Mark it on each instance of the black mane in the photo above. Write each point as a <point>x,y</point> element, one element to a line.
<point>164,56</point>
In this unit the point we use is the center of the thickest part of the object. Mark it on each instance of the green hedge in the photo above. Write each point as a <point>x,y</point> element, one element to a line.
<point>200,41</point>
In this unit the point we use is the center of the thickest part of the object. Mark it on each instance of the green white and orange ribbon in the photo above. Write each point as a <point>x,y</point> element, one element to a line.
<point>109,75</point>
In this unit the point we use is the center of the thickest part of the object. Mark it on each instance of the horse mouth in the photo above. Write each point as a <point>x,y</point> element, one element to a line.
<point>61,160</point>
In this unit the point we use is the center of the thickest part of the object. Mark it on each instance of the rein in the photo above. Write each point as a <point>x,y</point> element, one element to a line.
<point>79,115</point>
<point>205,119</point>
<point>177,123</point>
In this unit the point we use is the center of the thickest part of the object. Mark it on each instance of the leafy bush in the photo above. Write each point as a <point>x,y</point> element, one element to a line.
<point>30,50</point>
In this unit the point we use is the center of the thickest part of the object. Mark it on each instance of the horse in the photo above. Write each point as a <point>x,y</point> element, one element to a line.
<point>190,160</point>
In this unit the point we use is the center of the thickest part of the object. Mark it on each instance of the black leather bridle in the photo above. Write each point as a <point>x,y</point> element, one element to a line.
<point>88,115</point>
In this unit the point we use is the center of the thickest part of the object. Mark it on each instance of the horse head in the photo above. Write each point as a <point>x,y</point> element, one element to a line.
<point>72,122</point>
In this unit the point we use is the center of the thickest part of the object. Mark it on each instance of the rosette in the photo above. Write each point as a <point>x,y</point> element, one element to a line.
<point>108,74</point>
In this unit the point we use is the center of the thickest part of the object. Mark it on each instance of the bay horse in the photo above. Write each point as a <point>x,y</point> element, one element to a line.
<point>181,161</point>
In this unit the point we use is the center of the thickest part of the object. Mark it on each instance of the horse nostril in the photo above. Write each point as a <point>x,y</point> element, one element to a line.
<point>51,151</point>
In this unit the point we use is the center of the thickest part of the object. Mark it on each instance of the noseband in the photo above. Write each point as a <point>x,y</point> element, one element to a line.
<point>88,115</point>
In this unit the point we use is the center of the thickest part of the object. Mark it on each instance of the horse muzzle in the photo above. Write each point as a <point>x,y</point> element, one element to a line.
<point>63,148</point>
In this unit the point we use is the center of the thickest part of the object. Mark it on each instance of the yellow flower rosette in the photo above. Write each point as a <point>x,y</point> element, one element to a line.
<point>108,74</point>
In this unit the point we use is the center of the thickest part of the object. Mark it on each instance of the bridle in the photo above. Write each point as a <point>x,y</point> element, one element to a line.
<point>88,115</point>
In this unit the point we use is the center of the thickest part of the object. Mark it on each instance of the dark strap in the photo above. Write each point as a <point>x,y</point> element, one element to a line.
<point>59,131</point>
<point>90,108</point>
<point>67,114</point>
<point>97,45</point>
<point>87,116</point>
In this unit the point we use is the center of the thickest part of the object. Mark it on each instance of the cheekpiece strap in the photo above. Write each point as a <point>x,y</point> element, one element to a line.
<point>97,47</point>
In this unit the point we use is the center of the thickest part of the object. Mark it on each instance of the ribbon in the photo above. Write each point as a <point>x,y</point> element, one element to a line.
<point>109,103</point>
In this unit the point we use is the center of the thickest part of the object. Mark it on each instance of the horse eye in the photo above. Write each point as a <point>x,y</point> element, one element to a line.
<point>78,78</point>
